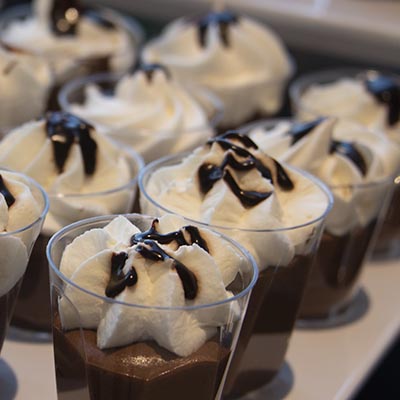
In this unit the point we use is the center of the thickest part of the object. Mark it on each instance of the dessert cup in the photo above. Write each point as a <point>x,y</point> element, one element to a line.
<point>276,297</point>
<point>241,60</point>
<point>335,275</point>
<point>137,130</point>
<point>364,110</point>
<point>353,223</point>
<point>16,246</point>
<point>143,369</point>
<point>67,63</point>
<point>32,312</point>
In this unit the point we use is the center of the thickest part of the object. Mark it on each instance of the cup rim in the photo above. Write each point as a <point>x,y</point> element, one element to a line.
<point>274,121</point>
<point>81,82</point>
<point>43,213</point>
<point>179,157</point>
<point>304,81</point>
<point>108,218</point>
<point>135,157</point>
<point>127,23</point>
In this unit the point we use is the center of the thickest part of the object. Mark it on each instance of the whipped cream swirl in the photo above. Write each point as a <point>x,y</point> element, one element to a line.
<point>148,111</point>
<point>169,265</point>
<point>84,173</point>
<point>68,36</point>
<point>233,186</point>
<point>22,77</point>
<point>19,207</point>
<point>344,155</point>
<point>241,60</point>
<point>371,98</point>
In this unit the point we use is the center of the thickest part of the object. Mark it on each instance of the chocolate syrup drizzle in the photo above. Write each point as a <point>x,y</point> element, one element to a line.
<point>346,149</point>
<point>65,16</point>
<point>118,280</point>
<point>64,130</point>
<point>148,248</point>
<point>150,69</point>
<point>209,173</point>
<point>8,197</point>
<point>224,19</point>
<point>386,91</point>
<point>302,129</point>
<point>349,150</point>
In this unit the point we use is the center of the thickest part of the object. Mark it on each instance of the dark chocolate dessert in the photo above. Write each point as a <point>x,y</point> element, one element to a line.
<point>142,371</point>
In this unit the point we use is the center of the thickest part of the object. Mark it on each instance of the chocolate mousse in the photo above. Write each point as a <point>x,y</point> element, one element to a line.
<point>147,371</point>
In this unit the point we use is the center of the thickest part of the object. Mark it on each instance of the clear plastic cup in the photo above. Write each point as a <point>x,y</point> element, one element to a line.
<point>150,144</point>
<point>32,312</point>
<point>345,245</point>
<point>276,297</point>
<point>21,240</point>
<point>142,370</point>
<point>388,241</point>
<point>64,66</point>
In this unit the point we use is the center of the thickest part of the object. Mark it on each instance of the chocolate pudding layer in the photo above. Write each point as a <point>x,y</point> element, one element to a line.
<point>141,370</point>
<point>272,312</point>
<point>7,304</point>
<point>335,271</point>
<point>390,230</point>
<point>33,311</point>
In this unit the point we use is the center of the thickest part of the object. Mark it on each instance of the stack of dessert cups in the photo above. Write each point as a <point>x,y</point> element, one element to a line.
<point>358,165</point>
<point>72,39</point>
<point>239,59</point>
<point>145,308</point>
<point>147,110</point>
<point>23,207</point>
<point>84,174</point>
<point>276,212</point>
<point>371,98</point>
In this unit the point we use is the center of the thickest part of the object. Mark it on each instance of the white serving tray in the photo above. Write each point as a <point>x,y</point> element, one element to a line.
<point>330,364</point>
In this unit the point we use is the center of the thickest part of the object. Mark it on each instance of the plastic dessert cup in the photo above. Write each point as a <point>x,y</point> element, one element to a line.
<point>82,66</point>
<point>335,276</point>
<point>150,144</point>
<point>387,243</point>
<point>21,241</point>
<point>141,370</point>
<point>276,297</point>
<point>32,312</point>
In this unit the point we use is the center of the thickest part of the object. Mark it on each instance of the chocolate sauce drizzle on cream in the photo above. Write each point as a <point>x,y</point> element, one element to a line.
<point>118,280</point>
<point>209,173</point>
<point>223,19</point>
<point>8,197</point>
<point>302,129</point>
<point>64,130</point>
<point>346,149</point>
<point>150,69</point>
<point>349,150</point>
<point>386,91</point>
<point>147,246</point>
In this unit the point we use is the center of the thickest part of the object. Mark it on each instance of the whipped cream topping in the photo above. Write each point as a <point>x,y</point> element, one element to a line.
<point>22,77</point>
<point>372,99</point>
<point>66,35</point>
<point>340,153</point>
<point>241,60</point>
<point>74,163</point>
<point>170,266</point>
<point>148,111</point>
<point>233,186</point>
<point>19,207</point>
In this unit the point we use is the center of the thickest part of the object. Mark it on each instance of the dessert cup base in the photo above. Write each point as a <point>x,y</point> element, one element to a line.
<point>346,313</point>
